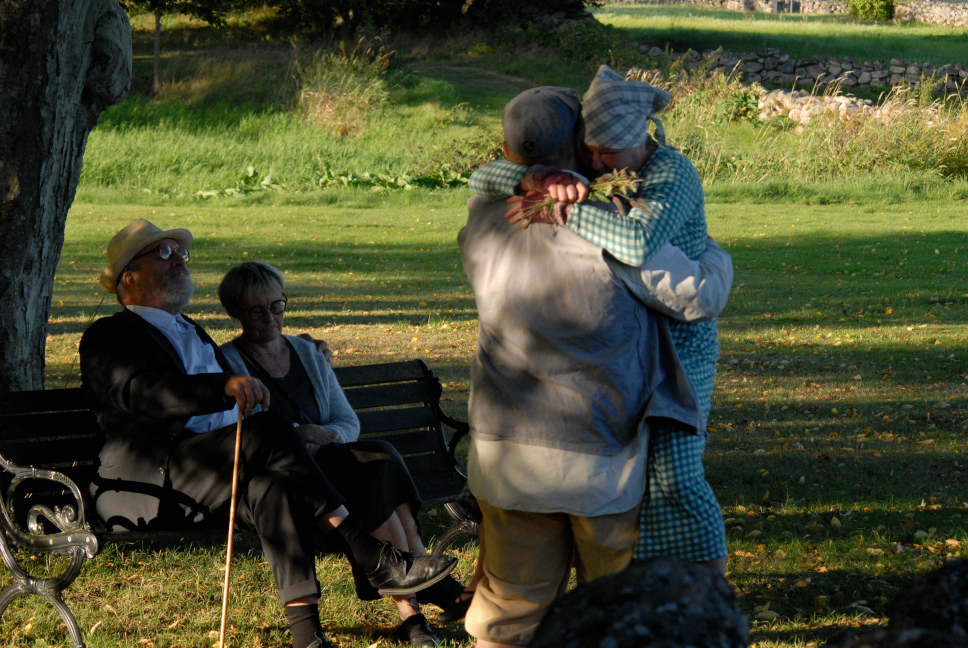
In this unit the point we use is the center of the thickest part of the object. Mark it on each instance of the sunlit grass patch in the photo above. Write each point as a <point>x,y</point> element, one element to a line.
<point>681,27</point>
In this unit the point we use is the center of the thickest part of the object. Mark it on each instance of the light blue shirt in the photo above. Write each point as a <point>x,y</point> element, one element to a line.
<point>197,356</point>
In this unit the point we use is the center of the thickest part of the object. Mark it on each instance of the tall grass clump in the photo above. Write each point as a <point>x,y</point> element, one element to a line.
<point>340,88</point>
<point>715,120</point>
<point>871,9</point>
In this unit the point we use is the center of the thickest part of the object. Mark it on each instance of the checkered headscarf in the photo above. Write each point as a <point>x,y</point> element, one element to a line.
<point>617,112</point>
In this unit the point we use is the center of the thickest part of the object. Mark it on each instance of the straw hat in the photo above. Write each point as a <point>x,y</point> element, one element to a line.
<point>127,243</point>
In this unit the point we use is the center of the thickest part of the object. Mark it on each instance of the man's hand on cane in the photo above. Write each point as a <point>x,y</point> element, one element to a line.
<point>247,392</point>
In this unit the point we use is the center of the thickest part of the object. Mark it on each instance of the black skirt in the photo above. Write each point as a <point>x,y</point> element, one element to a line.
<point>373,478</point>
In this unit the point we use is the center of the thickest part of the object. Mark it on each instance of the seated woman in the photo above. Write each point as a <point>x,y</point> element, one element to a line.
<point>371,475</point>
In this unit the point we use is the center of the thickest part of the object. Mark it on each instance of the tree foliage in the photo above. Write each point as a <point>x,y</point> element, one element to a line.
<point>423,14</point>
<point>211,11</point>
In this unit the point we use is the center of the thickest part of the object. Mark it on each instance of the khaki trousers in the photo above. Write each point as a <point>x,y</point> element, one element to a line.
<point>527,565</point>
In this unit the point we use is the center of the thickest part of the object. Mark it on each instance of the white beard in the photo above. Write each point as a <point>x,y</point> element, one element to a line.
<point>178,289</point>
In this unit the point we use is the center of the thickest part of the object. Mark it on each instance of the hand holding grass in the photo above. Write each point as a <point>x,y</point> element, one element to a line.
<point>548,204</point>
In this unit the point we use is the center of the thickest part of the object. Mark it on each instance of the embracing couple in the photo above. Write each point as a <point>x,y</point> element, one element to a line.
<point>597,348</point>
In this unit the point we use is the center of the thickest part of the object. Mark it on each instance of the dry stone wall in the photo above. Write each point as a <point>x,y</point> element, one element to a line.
<point>769,65</point>
<point>932,12</point>
<point>803,107</point>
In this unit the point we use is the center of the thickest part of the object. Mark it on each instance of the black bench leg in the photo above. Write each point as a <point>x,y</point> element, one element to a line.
<point>466,516</point>
<point>48,589</point>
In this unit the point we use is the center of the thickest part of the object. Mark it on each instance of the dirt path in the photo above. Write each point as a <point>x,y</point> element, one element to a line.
<point>484,89</point>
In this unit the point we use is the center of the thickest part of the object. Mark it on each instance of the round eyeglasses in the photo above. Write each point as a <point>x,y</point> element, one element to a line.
<point>277,307</point>
<point>164,251</point>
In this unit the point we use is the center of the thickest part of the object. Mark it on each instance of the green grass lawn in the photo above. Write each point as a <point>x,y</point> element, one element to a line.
<point>839,415</point>
<point>838,431</point>
<point>684,27</point>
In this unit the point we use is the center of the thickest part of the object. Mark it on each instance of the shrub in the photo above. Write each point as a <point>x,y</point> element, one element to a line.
<point>872,9</point>
<point>339,88</point>
<point>425,14</point>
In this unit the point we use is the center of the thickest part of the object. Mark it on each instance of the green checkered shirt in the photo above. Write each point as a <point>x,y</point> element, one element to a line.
<point>673,192</point>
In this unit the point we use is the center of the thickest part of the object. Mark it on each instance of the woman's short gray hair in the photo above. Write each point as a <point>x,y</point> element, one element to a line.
<point>245,280</point>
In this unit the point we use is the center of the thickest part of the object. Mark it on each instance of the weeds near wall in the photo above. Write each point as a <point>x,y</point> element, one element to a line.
<point>339,89</point>
<point>910,130</point>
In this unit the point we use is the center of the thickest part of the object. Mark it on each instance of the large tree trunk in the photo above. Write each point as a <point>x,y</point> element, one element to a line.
<point>156,86</point>
<point>62,62</point>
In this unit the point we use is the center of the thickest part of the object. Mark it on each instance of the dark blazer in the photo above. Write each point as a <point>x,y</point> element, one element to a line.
<point>137,387</point>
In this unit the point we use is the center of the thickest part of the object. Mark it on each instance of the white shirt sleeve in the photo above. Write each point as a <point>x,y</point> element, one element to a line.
<point>673,284</point>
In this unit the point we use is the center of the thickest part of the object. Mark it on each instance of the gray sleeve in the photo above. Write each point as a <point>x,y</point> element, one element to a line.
<point>673,284</point>
<point>329,395</point>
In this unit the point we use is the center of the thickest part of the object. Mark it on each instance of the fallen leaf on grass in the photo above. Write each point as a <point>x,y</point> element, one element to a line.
<point>835,523</point>
<point>766,615</point>
<point>94,627</point>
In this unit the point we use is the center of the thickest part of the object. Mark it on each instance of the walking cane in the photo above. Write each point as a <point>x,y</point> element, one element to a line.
<point>228,556</point>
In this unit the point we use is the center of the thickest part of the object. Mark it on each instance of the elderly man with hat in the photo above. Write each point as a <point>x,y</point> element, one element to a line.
<point>569,373</point>
<point>168,405</point>
<point>681,515</point>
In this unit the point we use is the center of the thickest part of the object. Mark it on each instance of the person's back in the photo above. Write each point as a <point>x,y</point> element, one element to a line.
<point>566,355</point>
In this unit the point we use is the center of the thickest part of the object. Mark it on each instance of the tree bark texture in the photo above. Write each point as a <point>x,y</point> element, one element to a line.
<point>62,62</point>
<point>156,85</point>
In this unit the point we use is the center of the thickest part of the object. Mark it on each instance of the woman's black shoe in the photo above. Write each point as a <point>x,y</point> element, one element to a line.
<point>416,631</point>
<point>457,610</point>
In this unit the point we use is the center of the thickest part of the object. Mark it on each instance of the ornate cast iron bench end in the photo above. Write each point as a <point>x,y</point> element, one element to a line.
<point>73,538</point>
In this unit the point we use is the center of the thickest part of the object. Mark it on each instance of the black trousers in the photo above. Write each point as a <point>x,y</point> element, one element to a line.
<point>282,493</point>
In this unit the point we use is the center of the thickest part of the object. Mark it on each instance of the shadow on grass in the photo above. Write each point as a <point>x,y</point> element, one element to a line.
<point>834,283</point>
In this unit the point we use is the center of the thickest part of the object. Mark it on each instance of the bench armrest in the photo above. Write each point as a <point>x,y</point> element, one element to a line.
<point>461,430</point>
<point>71,520</point>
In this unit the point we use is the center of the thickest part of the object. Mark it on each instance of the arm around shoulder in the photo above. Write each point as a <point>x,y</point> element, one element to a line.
<point>680,287</point>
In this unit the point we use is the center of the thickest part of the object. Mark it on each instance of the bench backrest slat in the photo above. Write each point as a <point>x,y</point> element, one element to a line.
<point>54,453</point>
<point>422,391</point>
<point>396,402</point>
<point>381,373</point>
<point>409,443</point>
<point>39,401</point>
<point>51,425</point>
<point>391,420</point>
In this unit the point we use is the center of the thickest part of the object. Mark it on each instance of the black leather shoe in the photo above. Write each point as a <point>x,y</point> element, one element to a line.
<point>457,609</point>
<point>416,631</point>
<point>320,641</point>
<point>400,572</point>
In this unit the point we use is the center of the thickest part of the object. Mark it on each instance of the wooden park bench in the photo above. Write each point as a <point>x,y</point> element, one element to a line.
<point>49,443</point>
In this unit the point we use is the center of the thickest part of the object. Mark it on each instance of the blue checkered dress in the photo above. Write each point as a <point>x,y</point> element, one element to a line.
<point>680,515</point>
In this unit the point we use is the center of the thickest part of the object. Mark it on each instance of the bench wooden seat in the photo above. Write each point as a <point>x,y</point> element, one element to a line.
<point>49,442</point>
